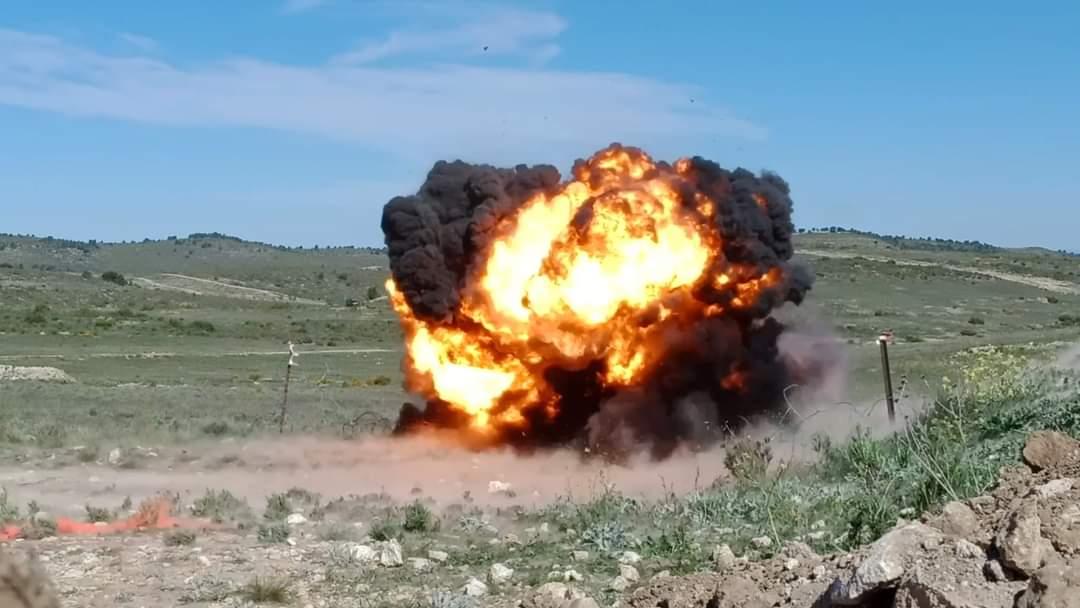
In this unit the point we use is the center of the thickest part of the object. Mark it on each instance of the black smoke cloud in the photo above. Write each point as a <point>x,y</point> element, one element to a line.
<point>434,236</point>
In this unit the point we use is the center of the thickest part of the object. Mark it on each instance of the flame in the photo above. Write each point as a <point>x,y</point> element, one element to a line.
<point>595,271</point>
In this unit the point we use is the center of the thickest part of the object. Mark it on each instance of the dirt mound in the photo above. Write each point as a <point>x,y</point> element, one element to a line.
<point>1017,546</point>
<point>12,373</point>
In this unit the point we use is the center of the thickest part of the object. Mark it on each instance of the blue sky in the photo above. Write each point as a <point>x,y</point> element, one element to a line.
<point>293,121</point>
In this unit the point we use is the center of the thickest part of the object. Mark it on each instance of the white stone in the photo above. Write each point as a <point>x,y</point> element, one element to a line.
<point>362,553</point>
<point>290,541</point>
<point>579,556</point>
<point>662,574</point>
<point>791,564</point>
<point>296,519</point>
<point>1053,488</point>
<point>554,590</point>
<point>544,528</point>
<point>629,557</point>
<point>115,455</point>
<point>620,584</point>
<point>629,572</point>
<point>723,558</point>
<point>390,554</point>
<point>761,542</point>
<point>499,487</point>
<point>420,564</point>
<point>500,574</point>
<point>205,561</point>
<point>819,572</point>
<point>474,587</point>
<point>438,556</point>
<point>817,525</point>
<point>572,575</point>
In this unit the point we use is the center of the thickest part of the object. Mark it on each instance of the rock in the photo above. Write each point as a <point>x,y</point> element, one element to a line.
<point>948,584</point>
<point>115,456</point>
<point>818,535</point>
<point>1019,542</point>
<point>1054,488</point>
<point>629,557</point>
<point>554,590</point>
<point>791,564</point>
<point>572,575</point>
<point>438,556</point>
<point>474,587</point>
<point>499,487</point>
<point>723,558</point>
<point>819,572</point>
<point>994,571</point>
<point>390,554</point>
<point>883,564</point>
<point>957,519</point>
<point>619,584</point>
<point>579,556</point>
<point>205,561</point>
<point>420,564</point>
<point>629,572</point>
<point>296,519</point>
<point>761,542</point>
<point>544,528</point>
<point>362,553</point>
<point>581,602</point>
<point>967,549</point>
<point>1049,450</point>
<point>1054,585</point>
<point>499,574</point>
<point>662,574</point>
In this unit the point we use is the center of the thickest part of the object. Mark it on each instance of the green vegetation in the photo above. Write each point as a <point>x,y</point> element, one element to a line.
<point>179,538</point>
<point>267,591</point>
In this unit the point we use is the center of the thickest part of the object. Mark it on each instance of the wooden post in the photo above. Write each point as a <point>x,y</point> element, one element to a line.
<point>285,399</point>
<point>883,341</point>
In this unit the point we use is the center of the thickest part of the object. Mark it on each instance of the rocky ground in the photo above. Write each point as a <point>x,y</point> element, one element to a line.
<point>1018,545</point>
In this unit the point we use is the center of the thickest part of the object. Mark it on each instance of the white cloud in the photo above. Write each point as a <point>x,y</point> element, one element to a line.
<point>144,43</point>
<point>448,109</point>
<point>497,31</point>
<point>291,7</point>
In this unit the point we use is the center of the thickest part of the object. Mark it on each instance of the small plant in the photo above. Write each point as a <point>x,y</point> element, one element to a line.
<point>372,292</point>
<point>278,507</point>
<point>605,536</point>
<point>968,332</point>
<point>218,506</point>
<point>977,321</point>
<point>275,533</point>
<point>217,428</point>
<point>112,276</point>
<point>39,528</point>
<point>179,538</point>
<point>267,591</point>
<point>748,459</point>
<point>202,327</point>
<point>383,530</point>
<point>98,514</point>
<point>446,599</point>
<point>418,518</point>
<point>38,315</point>
<point>8,511</point>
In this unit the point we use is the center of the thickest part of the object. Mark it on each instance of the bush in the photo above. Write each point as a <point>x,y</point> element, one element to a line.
<point>219,506</point>
<point>977,321</point>
<point>372,292</point>
<point>263,591</point>
<point>384,530</point>
<point>112,276</point>
<point>202,327</point>
<point>179,538</point>
<point>1069,320</point>
<point>38,315</point>
<point>418,518</point>
<point>278,507</point>
<point>273,533</point>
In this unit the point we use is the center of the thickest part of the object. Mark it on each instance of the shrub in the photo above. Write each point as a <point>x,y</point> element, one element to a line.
<point>98,514</point>
<point>384,530</point>
<point>38,315</point>
<point>273,533</point>
<point>264,591</point>
<point>219,506</point>
<point>278,507</point>
<point>179,538</point>
<point>418,518</point>
<point>112,276</point>
<point>372,292</point>
<point>977,321</point>
<point>203,327</point>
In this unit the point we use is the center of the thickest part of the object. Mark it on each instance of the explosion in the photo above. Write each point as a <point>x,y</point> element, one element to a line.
<point>539,312</point>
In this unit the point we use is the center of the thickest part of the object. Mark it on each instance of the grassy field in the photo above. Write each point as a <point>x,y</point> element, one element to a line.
<point>185,338</point>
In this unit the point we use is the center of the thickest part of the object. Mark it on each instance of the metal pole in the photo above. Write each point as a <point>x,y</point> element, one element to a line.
<point>887,375</point>
<point>285,399</point>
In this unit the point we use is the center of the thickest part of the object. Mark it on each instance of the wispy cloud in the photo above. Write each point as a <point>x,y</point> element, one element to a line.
<point>144,43</point>
<point>292,7</point>
<point>496,31</point>
<point>438,110</point>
